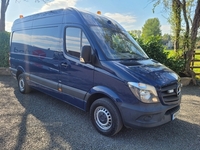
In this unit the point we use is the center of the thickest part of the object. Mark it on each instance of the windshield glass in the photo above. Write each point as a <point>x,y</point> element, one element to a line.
<point>118,44</point>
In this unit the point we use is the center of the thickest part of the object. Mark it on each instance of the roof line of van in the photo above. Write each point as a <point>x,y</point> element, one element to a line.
<point>45,14</point>
<point>51,13</point>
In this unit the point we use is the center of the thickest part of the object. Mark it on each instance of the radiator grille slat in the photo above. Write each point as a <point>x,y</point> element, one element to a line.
<point>171,94</point>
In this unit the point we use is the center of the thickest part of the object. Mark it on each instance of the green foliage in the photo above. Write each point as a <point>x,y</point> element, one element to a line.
<point>176,62</point>
<point>135,33</point>
<point>151,28</point>
<point>4,49</point>
<point>155,50</point>
<point>166,38</point>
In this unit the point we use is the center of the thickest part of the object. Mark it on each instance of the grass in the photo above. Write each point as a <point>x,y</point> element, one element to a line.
<point>197,57</point>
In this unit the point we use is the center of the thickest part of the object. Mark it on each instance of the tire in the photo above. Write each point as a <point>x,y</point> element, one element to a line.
<point>22,84</point>
<point>105,117</point>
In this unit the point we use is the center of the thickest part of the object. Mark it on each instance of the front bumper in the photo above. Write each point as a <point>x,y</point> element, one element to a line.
<point>147,115</point>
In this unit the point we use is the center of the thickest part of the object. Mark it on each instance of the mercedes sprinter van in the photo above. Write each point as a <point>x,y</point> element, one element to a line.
<point>91,62</point>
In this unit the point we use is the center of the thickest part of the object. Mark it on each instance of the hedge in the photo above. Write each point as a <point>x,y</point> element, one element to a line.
<point>4,49</point>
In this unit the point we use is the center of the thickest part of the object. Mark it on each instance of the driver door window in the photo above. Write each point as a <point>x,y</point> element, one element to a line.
<point>75,39</point>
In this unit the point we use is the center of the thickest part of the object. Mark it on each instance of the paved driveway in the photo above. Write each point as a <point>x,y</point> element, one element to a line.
<point>37,121</point>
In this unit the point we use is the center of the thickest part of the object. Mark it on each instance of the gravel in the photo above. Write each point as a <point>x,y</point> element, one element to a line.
<point>37,121</point>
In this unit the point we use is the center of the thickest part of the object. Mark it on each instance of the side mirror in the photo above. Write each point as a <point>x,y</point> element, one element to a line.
<point>86,54</point>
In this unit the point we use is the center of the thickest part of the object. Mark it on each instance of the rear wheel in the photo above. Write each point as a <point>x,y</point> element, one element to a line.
<point>22,84</point>
<point>105,117</point>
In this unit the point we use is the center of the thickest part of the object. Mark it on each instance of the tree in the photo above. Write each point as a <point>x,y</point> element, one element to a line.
<point>193,38</point>
<point>151,28</point>
<point>166,40</point>
<point>175,19</point>
<point>4,6</point>
<point>191,28</point>
<point>136,33</point>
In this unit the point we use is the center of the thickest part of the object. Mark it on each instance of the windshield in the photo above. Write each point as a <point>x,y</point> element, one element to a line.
<point>118,44</point>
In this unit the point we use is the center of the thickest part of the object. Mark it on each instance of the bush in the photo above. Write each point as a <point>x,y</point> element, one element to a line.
<point>176,62</point>
<point>4,49</point>
<point>155,50</point>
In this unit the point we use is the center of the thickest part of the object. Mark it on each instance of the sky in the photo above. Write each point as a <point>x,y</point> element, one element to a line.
<point>131,14</point>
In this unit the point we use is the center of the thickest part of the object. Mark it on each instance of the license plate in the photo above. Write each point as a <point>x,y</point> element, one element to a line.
<point>175,115</point>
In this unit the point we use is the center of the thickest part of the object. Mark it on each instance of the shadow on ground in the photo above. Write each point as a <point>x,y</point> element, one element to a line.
<point>53,124</point>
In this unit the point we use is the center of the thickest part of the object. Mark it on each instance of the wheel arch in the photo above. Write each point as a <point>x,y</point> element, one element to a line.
<point>20,70</point>
<point>100,92</point>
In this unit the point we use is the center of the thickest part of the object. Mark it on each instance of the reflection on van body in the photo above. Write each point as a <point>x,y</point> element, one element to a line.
<point>92,63</point>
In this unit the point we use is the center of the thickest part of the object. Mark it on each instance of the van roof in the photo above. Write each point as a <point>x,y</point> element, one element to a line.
<point>72,15</point>
<point>41,15</point>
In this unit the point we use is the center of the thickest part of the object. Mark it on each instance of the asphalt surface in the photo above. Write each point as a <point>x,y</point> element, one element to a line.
<point>37,121</point>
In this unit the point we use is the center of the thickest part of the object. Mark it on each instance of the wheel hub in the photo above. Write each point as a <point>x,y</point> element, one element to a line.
<point>21,84</point>
<point>103,118</point>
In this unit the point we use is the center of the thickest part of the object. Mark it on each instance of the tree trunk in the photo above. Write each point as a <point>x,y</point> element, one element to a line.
<point>176,45</point>
<point>4,6</point>
<point>176,19</point>
<point>2,21</point>
<point>190,52</point>
<point>186,42</point>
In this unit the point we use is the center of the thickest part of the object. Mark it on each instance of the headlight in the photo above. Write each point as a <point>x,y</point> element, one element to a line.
<point>144,92</point>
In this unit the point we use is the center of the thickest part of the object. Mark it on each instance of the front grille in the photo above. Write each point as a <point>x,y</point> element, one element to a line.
<point>170,94</point>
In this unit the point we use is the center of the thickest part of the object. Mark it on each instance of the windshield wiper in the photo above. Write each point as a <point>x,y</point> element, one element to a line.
<point>135,58</point>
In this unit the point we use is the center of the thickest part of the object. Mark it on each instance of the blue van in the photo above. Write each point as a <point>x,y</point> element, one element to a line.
<point>92,63</point>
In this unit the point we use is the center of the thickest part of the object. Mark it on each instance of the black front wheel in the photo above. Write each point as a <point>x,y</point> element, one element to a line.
<point>105,117</point>
<point>22,84</point>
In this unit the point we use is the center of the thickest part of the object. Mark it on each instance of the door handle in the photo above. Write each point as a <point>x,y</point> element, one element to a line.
<point>65,65</point>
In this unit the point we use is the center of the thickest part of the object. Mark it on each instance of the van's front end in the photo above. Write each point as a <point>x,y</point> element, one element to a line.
<point>147,93</point>
<point>158,92</point>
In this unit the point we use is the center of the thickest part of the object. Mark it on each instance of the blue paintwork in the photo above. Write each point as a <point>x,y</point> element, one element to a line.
<point>145,71</point>
<point>42,55</point>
